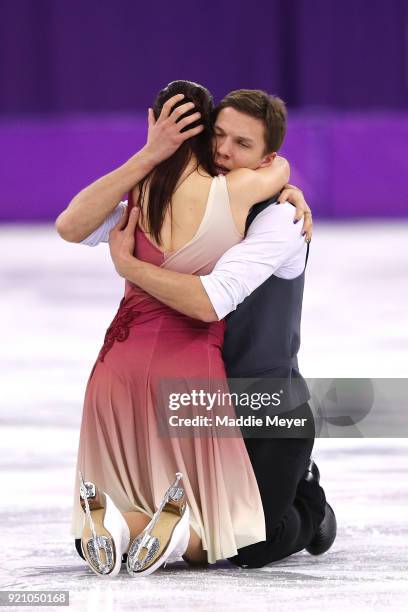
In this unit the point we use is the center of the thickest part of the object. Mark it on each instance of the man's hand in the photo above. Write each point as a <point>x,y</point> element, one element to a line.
<point>164,135</point>
<point>122,242</point>
<point>182,292</point>
<point>295,196</point>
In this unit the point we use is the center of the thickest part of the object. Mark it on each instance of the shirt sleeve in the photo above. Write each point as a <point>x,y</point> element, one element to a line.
<point>272,240</point>
<point>101,234</point>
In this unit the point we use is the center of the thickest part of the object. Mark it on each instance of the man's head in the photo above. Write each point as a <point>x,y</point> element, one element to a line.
<point>249,127</point>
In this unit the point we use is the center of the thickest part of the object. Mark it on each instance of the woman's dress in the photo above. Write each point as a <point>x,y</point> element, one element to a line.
<point>120,448</point>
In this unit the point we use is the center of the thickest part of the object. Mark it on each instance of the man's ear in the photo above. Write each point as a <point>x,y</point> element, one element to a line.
<point>267,160</point>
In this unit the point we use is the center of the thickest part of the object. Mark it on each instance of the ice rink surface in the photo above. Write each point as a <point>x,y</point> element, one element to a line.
<point>57,301</point>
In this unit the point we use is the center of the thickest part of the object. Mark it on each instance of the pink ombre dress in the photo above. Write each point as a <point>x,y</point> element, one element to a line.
<point>120,449</point>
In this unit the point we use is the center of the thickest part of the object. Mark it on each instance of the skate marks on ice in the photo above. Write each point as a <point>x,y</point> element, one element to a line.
<point>58,302</point>
<point>366,568</point>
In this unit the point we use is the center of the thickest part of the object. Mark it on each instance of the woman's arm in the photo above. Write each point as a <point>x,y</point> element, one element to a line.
<point>247,187</point>
<point>101,234</point>
<point>91,206</point>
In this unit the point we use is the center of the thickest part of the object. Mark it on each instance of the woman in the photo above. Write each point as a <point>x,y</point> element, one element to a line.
<point>192,216</point>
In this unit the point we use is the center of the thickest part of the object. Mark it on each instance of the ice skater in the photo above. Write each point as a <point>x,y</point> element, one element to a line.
<point>258,286</point>
<point>96,418</point>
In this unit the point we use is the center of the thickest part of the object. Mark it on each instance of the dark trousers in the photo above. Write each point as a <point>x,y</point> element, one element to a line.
<point>293,507</point>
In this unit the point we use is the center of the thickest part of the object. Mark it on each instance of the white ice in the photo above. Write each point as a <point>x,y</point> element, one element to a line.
<point>57,301</point>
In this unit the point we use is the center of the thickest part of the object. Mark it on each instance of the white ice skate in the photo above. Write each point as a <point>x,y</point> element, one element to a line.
<point>105,535</point>
<point>165,539</point>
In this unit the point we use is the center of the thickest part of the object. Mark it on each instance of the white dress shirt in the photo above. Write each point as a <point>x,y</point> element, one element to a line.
<point>101,234</point>
<point>273,245</point>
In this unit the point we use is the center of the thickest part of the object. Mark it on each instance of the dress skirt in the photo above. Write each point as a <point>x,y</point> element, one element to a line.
<point>121,448</point>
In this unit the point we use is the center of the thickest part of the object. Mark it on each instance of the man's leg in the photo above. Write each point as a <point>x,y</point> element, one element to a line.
<point>293,506</point>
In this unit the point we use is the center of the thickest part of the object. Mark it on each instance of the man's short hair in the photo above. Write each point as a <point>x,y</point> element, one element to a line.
<point>269,109</point>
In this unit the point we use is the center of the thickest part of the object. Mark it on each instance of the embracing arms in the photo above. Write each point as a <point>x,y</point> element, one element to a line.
<point>273,242</point>
<point>91,206</point>
<point>247,187</point>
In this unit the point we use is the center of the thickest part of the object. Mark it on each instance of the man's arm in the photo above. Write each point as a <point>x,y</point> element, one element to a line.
<point>101,234</point>
<point>272,239</point>
<point>91,206</point>
<point>182,292</point>
<point>273,245</point>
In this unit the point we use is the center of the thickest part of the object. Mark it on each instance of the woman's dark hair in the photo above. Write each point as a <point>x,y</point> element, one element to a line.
<point>163,179</point>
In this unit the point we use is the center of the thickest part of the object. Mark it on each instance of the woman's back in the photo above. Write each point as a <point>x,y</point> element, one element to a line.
<point>197,229</point>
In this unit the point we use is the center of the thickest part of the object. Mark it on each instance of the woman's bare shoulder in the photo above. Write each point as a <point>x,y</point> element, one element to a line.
<point>239,182</point>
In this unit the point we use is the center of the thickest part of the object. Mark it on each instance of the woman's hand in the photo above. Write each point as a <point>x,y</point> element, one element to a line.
<point>122,241</point>
<point>164,136</point>
<point>294,196</point>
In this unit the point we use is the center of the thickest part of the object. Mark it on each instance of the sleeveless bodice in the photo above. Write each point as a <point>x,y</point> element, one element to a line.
<point>217,233</point>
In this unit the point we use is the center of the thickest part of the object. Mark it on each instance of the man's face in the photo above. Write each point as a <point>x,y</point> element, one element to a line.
<point>239,141</point>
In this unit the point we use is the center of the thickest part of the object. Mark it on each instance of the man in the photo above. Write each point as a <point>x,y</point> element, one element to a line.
<point>259,285</point>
